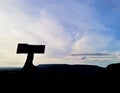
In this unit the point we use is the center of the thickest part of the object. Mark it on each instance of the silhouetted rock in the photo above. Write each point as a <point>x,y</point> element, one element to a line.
<point>113,68</point>
<point>30,50</point>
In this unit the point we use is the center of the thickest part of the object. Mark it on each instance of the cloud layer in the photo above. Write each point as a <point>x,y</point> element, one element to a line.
<point>65,27</point>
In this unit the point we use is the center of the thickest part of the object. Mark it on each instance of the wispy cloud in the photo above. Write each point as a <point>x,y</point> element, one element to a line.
<point>92,54</point>
<point>65,27</point>
<point>16,26</point>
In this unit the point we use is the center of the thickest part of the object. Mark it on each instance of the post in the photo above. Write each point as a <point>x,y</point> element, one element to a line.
<point>29,61</point>
<point>30,50</point>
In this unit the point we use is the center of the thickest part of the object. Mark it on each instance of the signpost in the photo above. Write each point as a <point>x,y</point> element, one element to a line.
<point>30,50</point>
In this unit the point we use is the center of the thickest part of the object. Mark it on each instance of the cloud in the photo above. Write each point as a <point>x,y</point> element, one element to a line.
<point>90,43</point>
<point>82,24</point>
<point>18,27</point>
<point>100,59</point>
<point>65,27</point>
<point>92,54</point>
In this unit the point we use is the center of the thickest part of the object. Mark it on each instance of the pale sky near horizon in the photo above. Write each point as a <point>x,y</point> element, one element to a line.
<point>65,26</point>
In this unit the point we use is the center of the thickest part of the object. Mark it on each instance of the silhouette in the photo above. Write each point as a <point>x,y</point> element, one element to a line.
<point>30,50</point>
<point>58,77</point>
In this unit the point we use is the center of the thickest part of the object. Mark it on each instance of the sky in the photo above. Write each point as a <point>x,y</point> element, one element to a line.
<point>66,27</point>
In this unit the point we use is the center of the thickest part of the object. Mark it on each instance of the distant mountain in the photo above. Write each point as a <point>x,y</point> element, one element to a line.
<point>86,69</point>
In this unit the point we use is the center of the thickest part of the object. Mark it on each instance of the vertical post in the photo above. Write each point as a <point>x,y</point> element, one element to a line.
<point>29,61</point>
<point>30,50</point>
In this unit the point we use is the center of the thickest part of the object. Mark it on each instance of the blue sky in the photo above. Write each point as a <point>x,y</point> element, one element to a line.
<point>65,26</point>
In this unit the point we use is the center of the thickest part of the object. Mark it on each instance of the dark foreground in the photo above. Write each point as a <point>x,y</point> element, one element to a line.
<point>60,78</point>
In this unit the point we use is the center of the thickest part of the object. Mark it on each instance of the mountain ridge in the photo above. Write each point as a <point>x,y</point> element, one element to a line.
<point>62,76</point>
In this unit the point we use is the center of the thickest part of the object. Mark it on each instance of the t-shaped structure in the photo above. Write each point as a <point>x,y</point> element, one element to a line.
<point>30,50</point>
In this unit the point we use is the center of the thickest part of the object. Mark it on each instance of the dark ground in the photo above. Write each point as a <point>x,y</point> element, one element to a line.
<point>60,78</point>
